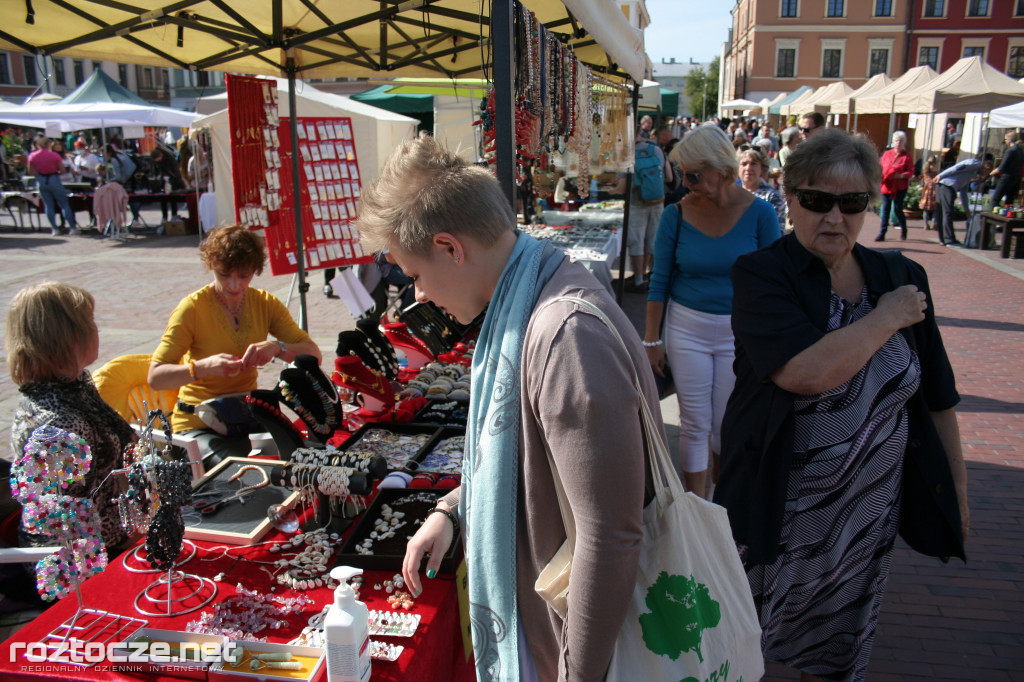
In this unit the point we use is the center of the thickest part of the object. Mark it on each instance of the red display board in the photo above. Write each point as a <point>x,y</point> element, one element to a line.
<point>264,189</point>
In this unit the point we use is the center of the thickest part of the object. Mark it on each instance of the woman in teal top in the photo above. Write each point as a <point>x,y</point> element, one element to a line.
<point>693,257</point>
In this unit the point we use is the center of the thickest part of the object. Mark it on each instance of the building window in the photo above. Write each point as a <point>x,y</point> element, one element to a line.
<point>883,8</point>
<point>934,8</point>
<point>977,8</point>
<point>1015,68</point>
<point>147,78</point>
<point>96,66</point>
<point>1019,12</point>
<point>122,75</point>
<point>831,63</point>
<point>5,68</point>
<point>785,66</point>
<point>58,72</point>
<point>79,68</point>
<point>835,8</point>
<point>879,62</point>
<point>203,79</point>
<point>974,51</point>
<point>30,69</point>
<point>789,8</point>
<point>929,56</point>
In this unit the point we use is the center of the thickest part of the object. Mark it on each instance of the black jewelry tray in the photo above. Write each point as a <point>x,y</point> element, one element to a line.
<point>389,554</point>
<point>431,406</point>
<point>234,523</point>
<point>409,429</point>
<point>443,433</point>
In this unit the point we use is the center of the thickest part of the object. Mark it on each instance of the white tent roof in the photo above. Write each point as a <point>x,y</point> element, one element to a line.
<point>1007,117</point>
<point>738,104</point>
<point>376,133</point>
<point>823,98</point>
<point>847,104</point>
<point>969,85</point>
<point>96,115</point>
<point>881,101</point>
<point>799,105</point>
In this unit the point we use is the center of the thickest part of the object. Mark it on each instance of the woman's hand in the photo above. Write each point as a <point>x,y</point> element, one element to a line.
<point>221,364</point>
<point>656,356</point>
<point>433,537</point>
<point>905,306</point>
<point>259,354</point>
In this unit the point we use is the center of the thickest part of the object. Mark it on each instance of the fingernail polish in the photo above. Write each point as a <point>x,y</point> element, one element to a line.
<point>431,573</point>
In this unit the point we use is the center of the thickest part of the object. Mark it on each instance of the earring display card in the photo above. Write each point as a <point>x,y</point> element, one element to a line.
<point>388,553</point>
<point>236,522</point>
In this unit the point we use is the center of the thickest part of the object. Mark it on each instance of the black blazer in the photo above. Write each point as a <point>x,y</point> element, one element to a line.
<point>780,307</point>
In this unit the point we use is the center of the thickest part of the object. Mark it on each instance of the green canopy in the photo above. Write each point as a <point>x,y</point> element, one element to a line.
<point>99,87</point>
<point>383,98</point>
<point>669,102</point>
<point>791,97</point>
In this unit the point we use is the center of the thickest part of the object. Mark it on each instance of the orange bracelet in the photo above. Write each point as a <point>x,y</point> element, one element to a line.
<point>192,369</point>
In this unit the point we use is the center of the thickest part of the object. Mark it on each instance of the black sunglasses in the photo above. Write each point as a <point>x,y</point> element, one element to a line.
<point>807,130</point>
<point>692,177</point>
<point>822,202</point>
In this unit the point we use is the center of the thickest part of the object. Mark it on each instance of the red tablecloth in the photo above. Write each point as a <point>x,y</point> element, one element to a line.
<point>435,652</point>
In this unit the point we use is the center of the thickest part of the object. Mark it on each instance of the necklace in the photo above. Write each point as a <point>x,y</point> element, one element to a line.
<point>234,313</point>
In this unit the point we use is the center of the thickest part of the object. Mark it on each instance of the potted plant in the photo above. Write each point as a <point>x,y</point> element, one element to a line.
<point>912,202</point>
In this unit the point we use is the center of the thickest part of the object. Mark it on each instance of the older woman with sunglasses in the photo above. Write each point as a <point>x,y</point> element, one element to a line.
<point>843,391</point>
<point>698,241</point>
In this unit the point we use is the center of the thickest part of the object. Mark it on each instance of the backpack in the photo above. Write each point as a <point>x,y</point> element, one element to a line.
<point>127,167</point>
<point>649,173</point>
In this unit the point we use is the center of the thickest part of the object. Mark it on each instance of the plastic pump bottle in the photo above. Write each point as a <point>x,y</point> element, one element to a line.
<point>347,632</point>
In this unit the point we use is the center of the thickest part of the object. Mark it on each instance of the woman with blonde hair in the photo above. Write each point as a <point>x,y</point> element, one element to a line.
<point>51,339</point>
<point>698,240</point>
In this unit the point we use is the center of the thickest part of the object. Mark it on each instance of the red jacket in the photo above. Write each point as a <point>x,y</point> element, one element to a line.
<point>896,163</point>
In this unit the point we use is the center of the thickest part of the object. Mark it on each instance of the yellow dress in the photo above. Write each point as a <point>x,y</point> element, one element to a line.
<point>199,327</point>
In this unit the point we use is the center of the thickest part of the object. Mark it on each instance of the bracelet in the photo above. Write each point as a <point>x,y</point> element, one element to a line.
<point>451,517</point>
<point>281,352</point>
<point>192,369</point>
<point>651,344</point>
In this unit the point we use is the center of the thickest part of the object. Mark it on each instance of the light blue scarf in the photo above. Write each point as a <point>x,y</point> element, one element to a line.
<point>492,459</point>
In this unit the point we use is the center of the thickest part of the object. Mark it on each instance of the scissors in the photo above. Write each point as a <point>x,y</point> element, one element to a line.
<point>207,508</point>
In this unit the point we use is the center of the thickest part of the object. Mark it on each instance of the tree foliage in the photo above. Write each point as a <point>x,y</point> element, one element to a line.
<point>681,609</point>
<point>702,90</point>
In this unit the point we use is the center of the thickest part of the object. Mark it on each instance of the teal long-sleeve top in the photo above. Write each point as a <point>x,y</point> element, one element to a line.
<point>695,269</point>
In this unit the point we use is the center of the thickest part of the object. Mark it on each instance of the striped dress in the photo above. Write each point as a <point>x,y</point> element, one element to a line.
<point>818,602</point>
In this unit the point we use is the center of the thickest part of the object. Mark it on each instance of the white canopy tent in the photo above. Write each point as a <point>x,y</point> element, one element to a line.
<point>70,117</point>
<point>800,105</point>
<point>376,133</point>
<point>737,105</point>
<point>881,101</point>
<point>1007,117</point>
<point>823,98</point>
<point>847,104</point>
<point>969,85</point>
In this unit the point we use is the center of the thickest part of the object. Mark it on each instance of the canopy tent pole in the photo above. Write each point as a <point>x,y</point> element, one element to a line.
<point>297,204</point>
<point>624,247</point>
<point>504,101</point>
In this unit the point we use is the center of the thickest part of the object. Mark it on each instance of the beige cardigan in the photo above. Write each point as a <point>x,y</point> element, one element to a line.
<point>580,402</point>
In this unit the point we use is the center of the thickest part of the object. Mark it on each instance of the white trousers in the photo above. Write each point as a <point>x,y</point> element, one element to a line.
<point>700,351</point>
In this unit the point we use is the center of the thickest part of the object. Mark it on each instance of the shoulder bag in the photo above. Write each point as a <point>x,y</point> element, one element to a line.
<point>691,614</point>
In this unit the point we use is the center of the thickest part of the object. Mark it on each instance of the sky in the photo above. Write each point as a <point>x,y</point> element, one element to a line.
<point>687,29</point>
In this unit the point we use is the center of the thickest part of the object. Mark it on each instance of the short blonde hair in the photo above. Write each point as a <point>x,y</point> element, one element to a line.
<point>424,189</point>
<point>235,249</point>
<point>47,326</point>
<point>707,146</point>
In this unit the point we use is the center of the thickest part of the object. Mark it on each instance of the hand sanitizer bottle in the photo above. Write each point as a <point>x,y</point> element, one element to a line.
<point>347,632</point>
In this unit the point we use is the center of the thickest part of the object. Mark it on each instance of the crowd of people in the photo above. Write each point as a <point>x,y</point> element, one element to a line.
<point>810,372</point>
<point>171,165</point>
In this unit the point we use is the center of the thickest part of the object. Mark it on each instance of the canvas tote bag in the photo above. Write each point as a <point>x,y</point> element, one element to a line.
<point>691,615</point>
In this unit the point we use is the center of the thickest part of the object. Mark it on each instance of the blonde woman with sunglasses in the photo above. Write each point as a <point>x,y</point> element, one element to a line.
<point>698,240</point>
<point>843,393</point>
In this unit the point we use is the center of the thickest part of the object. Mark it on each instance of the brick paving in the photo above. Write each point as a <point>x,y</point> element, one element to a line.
<point>939,622</point>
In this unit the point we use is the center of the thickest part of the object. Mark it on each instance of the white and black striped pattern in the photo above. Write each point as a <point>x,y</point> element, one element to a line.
<point>819,601</point>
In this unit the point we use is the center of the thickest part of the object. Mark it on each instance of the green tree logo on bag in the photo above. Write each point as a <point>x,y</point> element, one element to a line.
<point>681,610</point>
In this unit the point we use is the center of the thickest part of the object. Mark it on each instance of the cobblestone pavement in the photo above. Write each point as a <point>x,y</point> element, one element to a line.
<point>939,622</point>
